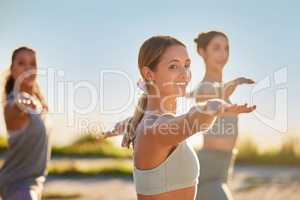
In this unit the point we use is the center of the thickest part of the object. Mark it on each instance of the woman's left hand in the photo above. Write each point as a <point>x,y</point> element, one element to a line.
<point>119,129</point>
<point>230,86</point>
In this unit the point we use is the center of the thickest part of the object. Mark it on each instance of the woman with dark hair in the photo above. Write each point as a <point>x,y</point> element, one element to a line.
<point>218,152</point>
<point>23,174</point>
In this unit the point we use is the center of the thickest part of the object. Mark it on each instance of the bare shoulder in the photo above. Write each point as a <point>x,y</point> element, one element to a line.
<point>147,138</point>
<point>14,119</point>
<point>147,126</point>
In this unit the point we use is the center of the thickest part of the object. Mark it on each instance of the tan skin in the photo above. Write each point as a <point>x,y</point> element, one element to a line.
<point>25,62</point>
<point>215,57</point>
<point>170,78</point>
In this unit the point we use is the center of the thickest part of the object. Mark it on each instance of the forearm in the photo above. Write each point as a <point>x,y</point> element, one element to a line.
<point>177,129</point>
<point>199,120</point>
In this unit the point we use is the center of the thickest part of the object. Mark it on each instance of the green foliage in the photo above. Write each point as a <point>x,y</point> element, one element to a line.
<point>286,154</point>
<point>89,146</point>
<point>116,169</point>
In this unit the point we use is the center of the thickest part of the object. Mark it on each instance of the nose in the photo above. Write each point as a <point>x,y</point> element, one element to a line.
<point>224,54</point>
<point>28,68</point>
<point>185,75</point>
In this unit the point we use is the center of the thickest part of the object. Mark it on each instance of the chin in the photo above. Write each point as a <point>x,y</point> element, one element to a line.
<point>29,83</point>
<point>221,65</point>
<point>181,93</point>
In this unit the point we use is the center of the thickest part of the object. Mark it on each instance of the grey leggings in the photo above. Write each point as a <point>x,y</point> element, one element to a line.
<point>215,167</point>
<point>22,194</point>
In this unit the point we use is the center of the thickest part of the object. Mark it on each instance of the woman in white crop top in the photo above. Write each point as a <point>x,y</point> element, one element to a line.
<point>165,167</point>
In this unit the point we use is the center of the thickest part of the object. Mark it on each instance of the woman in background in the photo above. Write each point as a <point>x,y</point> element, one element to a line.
<point>24,171</point>
<point>218,152</point>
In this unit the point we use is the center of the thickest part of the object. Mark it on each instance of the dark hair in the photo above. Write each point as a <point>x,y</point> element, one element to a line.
<point>10,81</point>
<point>150,54</point>
<point>203,39</point>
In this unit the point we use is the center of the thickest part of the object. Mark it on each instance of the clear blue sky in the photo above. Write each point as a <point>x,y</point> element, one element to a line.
<point>84,37</point>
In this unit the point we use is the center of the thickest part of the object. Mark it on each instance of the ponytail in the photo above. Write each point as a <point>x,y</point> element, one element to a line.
<point>9,85</point>
<point>129,136</point>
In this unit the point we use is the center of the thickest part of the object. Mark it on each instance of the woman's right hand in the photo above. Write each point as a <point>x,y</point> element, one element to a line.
<point>27,103</point>
<point>16,112</point>
<point>222,108</point>
<point>235,109</point>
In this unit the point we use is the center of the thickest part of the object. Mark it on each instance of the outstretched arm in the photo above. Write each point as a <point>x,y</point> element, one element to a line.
<point>119,129</point>
<point>169,130</point>
<point>230,86</point>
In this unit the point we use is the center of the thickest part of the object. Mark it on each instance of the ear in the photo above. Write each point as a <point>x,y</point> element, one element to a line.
<point>147,73</point>
<point>202,52</point>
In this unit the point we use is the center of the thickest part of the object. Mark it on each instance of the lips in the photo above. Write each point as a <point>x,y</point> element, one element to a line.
<point>181,83</point>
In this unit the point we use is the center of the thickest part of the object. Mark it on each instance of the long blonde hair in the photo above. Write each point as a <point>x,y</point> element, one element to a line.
<point>149,55</point>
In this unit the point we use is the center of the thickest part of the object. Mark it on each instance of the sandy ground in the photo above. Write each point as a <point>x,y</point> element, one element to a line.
<point>248,183</point>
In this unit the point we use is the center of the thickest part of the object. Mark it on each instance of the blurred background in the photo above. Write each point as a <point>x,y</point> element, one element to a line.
<point>87,58</point>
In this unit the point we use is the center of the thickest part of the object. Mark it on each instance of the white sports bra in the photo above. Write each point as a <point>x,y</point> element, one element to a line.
<point>180,170</point>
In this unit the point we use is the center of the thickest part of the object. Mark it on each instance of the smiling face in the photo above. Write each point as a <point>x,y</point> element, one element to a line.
<point>216,52</point>
<point>172,73</point>
<point>24,68</point>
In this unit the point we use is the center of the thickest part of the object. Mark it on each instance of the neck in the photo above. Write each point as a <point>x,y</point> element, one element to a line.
<point>213,75</point>
<point>161,104</point>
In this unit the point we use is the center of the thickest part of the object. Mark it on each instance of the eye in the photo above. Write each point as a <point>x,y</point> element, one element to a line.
<point>187,66</point>
<point>33,64</point>
<point>216,48</point>
<point>173,66</point>
<point>21,63</point>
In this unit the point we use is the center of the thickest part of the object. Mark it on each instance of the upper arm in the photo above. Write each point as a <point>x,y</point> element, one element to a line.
<point>15,119</point>
<point>169,130</point>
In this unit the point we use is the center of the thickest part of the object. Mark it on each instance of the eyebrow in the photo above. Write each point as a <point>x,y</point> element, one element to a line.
<point>177,60</point>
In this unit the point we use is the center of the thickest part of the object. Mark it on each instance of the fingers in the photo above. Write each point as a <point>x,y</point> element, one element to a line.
<point>115,132</point>
<point>234,109</point>
<point>243,80</point>
<point>28,103</point>
<point>246,109</point>
<point>249,81</point>
<point>107,134</point>
<point>119,129</point>
<point>25,101</point>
